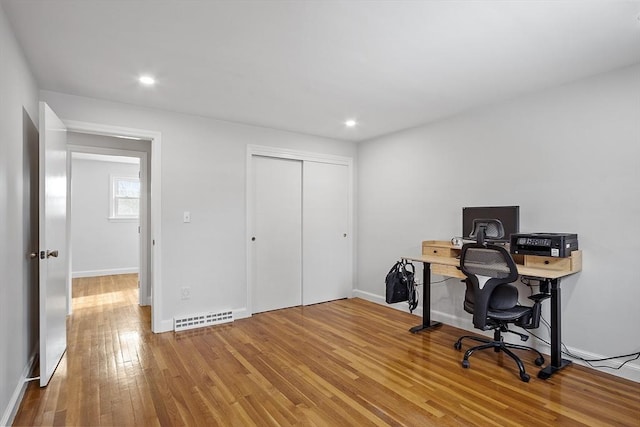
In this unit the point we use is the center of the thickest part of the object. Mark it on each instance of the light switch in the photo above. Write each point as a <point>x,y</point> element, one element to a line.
<point>186,217</point>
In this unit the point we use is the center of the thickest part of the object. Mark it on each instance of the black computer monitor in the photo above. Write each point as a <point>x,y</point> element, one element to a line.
<point>509,216</point>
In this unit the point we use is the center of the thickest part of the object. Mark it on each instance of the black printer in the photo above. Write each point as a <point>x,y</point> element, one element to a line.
<point>544,244</point>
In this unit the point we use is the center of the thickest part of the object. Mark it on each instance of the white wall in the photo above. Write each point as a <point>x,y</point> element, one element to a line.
<point>203,171</point>
<point>17,294</point>
<point>100,246</point>
<point>569,157</point>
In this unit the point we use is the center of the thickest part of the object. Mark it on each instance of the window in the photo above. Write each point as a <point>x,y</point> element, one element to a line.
<point>125,198</point>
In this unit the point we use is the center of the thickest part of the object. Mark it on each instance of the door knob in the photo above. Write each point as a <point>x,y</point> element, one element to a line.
<point>52,254</point>
<point>33,255</point>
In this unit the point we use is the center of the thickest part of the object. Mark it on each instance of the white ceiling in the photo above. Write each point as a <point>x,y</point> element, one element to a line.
<point>307,66</point>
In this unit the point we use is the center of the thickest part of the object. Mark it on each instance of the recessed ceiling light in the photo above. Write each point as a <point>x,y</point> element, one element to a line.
<point>350,123</point>
<point>147,80</point>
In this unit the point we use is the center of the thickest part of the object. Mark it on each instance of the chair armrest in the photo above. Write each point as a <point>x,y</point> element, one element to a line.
<point>533,321</point>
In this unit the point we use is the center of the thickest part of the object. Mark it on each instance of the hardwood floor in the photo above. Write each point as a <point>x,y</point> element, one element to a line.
<point>343,363</point>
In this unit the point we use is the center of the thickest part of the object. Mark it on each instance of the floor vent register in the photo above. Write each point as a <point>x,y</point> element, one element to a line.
<point>201,320</point>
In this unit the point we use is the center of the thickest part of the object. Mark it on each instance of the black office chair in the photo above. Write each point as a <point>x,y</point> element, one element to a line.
<point>493,301</point>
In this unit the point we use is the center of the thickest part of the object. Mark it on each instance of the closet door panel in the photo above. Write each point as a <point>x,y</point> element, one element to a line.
<point>327,258</point>
<point>277,229</point>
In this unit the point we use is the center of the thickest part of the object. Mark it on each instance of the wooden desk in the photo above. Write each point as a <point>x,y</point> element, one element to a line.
<point>440,257</point>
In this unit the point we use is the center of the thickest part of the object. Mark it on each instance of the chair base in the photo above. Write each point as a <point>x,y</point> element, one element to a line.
<point>498,345</point>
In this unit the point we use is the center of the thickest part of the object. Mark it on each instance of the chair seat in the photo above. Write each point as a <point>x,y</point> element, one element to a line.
<point>508,314</point>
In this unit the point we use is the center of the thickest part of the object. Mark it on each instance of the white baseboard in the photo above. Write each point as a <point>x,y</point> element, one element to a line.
<point>630,371</point>
<point>379,299</point>
<point>164,326</point>
<point>108,272</point>
<point>16,398</point>
<point>241,313</point>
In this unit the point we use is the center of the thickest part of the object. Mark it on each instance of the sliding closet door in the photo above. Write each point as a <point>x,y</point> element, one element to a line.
<point>326,240</point>
<point>277,233</point>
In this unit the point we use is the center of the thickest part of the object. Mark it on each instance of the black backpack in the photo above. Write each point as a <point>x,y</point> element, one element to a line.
<point>401,285</point>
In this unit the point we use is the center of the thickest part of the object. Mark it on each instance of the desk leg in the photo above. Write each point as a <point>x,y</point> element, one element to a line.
<point>557,362</point>
<point>426,301</point>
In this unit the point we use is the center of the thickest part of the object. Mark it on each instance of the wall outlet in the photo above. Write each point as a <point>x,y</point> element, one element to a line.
<point>185,293</point>
<point>186,216</point>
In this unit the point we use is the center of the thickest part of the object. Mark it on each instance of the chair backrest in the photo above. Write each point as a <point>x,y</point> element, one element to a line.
<point>486,267</point>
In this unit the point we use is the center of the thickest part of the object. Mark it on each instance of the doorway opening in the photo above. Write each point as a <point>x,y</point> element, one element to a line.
<point>107,243</point>
<point>86,139</point>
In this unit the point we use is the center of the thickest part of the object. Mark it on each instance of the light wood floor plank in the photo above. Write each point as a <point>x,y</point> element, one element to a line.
<point>346,362</point>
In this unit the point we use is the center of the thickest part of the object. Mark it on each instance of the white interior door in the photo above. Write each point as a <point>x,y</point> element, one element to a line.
<point>53,244</point>
<point>277,233</point>
<point>327,241</point>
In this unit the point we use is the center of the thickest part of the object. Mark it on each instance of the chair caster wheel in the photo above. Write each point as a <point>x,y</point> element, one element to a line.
<point>539,361</point>
<point>465,364</point>
<point>525,377</point>
<point>457,345</point>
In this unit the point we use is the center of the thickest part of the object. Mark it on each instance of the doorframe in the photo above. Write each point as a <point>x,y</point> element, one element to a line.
<point>143,269</point>
<point>154,240</point>
<point>285,153</point>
